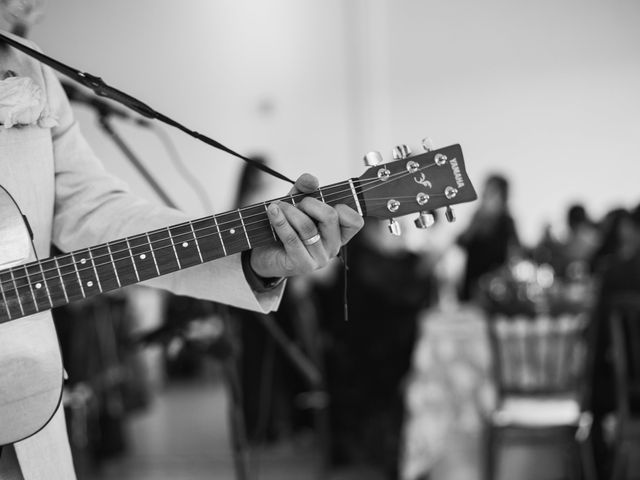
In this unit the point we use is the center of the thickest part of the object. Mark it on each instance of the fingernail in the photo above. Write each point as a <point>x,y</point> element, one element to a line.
<point>274,210</point>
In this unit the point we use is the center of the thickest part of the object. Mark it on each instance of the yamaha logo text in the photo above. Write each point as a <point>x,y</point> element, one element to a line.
<point>456,172</point>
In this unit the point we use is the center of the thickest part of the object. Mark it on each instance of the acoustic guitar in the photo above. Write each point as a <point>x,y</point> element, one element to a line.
<point>31,372</point>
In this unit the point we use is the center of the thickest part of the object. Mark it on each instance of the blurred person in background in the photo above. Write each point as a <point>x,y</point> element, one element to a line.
<point>618,270</point>
<point>369,356</point>
<point>572,255</point>
<point>581,242</point>
<point>491,237</point>
<point>609,239</point>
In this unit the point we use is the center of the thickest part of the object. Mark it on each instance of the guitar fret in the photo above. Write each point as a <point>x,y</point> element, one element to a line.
<point>195,239</point>
<point>24,290</point>
<point>209,240</point>
<point>321,195</point>
<point>64,288</point>
<point>224,249</point>
<point>153,254</point>
<point>53,282</point>
<point>104,268</point>
<point>28,282</point>
<point>273,232</point>
<point>115,270</point>
<point>38,286</point>
<point>232,222</point>
<point>244,227</point>
<point>140,247</point>
<point>95,270</point>
<point>185,245</point>
<point>355,197</point>
<point>133,262</point>
<point>123,262</point>
<point>70,278</point>
<point>13,279</point>
<point>46,284</point>
<point>173,245</point>
<point>335,194</point>
<point>79,279</point>
<point>258,227</point>
<point>4,301</point>
<point>163,249</point>
<point>10,295</point>
<point>85,270</point>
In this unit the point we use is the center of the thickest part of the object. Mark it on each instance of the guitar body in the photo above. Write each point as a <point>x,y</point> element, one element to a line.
<point>31,371</point>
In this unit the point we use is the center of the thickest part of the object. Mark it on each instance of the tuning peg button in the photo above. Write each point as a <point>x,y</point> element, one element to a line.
<point>450,215</point>
<point>394,227</point>
<point>427,144</point>
<point>440,159</point>
<point>372,159</point>
<point>424,220</point>
<point>401,152</point>
<point>450,192</point>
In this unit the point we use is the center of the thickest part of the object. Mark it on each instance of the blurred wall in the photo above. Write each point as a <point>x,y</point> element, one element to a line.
<point>544,91</point>
<point>260,77</point>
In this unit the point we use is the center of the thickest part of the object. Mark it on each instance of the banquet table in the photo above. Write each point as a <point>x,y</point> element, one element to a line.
<point>448,394</point>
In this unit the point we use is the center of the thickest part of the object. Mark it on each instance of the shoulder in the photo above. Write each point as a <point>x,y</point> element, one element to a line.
<point>16,61</point>
<point>21,64</point>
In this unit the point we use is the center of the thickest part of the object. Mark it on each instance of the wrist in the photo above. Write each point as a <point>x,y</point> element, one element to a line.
<point>257,282</point>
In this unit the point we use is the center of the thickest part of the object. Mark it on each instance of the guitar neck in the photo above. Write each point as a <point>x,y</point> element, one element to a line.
<point>59,280</point>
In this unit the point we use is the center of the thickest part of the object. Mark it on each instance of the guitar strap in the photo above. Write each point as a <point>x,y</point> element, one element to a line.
<point>101,89</point>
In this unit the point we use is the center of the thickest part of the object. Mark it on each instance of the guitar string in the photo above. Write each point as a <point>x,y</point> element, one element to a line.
<point>68,256</point>
<point>364,187</point>
<point>77,271</point>
<point>76,263</point>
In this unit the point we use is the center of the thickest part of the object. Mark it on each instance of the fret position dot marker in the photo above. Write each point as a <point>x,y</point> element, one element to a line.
<point>38,285</point>
<point>83,261</point>
<point>89,283</point>
<point>232,231</point>
<point>143,256</point>
<point>185,244</point>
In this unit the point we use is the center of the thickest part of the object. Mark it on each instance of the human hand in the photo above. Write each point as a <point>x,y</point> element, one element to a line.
<point>311,233</point>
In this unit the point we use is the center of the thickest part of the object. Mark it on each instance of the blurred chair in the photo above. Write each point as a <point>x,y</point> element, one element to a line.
<point>540,375</point>
<point>625,336</point>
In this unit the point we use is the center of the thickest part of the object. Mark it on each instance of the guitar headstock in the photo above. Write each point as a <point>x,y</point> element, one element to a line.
<point>415,184</point>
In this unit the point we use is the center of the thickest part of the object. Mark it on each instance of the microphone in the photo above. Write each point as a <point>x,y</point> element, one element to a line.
<point>102,108</point>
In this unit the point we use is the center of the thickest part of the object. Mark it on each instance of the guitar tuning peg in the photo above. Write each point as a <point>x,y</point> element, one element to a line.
<point>372,159</point>
<point>424,220</point>
<point>401,152</point>
<point>427,144</point>
<point>450,215</point>
<point>394,227</point>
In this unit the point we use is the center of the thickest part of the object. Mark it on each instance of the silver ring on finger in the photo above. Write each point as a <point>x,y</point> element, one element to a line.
<point>310,241</point>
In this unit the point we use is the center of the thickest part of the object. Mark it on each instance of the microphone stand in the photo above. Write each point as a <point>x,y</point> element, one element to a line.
<point>307,368</point>
<point>104,120</point>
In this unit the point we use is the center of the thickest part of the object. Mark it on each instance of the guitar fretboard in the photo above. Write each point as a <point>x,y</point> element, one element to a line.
<point>56,281</point>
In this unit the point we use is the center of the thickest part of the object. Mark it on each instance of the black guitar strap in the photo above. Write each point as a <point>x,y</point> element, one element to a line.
<point>101,89</point>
